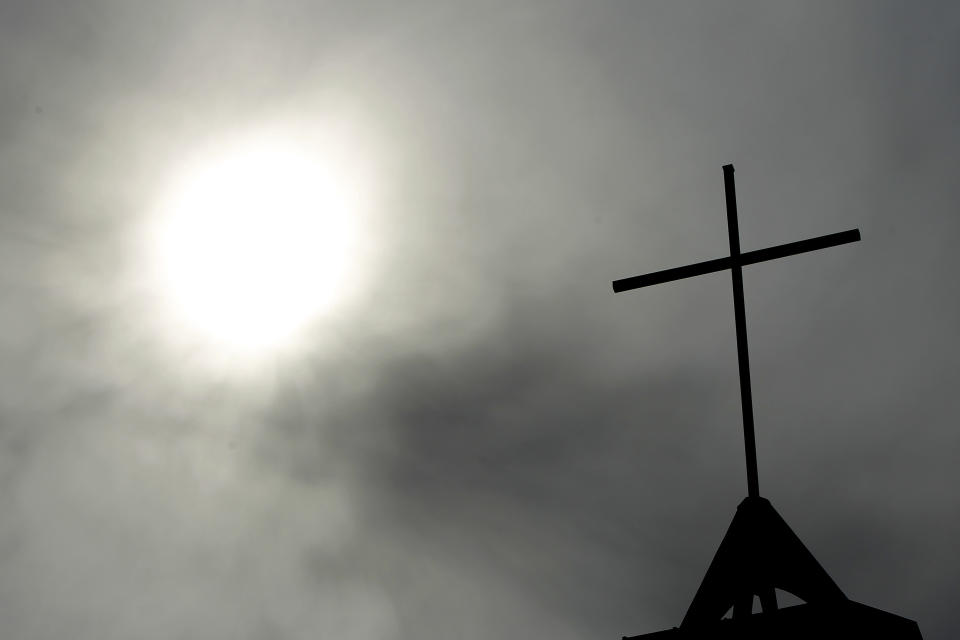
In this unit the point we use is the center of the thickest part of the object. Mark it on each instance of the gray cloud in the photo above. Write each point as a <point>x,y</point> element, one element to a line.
<point>485,442</point>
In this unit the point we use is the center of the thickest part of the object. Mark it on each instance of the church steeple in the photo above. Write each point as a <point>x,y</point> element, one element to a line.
<point>760,553</point>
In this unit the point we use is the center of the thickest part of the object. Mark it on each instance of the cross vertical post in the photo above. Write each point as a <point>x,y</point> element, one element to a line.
<point>743,355</point>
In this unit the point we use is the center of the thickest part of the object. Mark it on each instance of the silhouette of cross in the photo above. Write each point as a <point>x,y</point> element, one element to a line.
<point>734,262</point>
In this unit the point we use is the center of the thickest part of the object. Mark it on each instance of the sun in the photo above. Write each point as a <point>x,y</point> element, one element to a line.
<point>255,241</point>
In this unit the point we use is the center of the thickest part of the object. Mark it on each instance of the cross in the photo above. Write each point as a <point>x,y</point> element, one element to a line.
<point>735,261</point>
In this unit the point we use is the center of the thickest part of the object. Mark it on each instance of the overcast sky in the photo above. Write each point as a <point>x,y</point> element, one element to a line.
<point>485,441</point>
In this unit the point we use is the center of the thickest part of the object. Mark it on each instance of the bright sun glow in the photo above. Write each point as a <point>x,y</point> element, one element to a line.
<point>255,242</point>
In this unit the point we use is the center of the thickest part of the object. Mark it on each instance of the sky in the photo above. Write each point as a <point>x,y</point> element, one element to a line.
<point>480,440</point>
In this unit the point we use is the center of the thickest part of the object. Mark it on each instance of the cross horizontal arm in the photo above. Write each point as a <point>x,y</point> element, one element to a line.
<point>751,257</point>
<point>800,246</point>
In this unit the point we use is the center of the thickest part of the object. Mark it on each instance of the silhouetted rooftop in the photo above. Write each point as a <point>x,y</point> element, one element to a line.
<point>848,619</point>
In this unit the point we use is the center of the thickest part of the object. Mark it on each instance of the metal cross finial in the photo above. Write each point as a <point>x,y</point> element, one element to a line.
<point>735,261</point>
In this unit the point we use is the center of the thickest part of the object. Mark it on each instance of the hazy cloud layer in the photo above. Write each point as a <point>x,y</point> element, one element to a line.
<point>485,442</point>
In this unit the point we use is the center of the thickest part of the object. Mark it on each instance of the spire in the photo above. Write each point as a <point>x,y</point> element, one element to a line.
<point>760,553</point>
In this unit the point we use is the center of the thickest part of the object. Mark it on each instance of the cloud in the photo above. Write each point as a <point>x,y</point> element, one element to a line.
<point>486,442</point>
